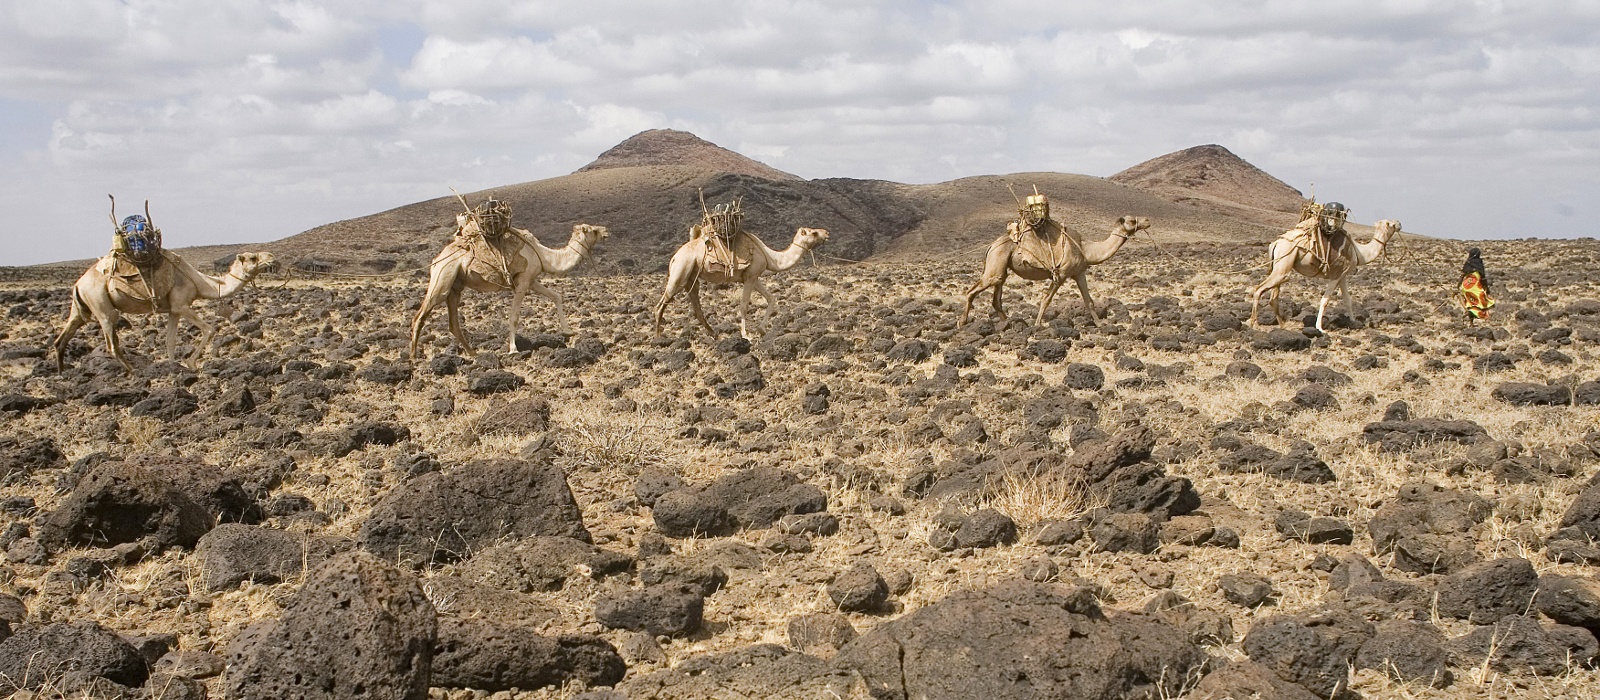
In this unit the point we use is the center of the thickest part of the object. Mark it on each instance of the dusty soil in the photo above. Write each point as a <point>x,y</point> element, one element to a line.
<point>623,404</point>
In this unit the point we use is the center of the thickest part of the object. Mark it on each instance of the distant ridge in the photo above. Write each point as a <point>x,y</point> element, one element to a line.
<point>1211,174</point>
<point>672,147</point>
<point>647,190</point>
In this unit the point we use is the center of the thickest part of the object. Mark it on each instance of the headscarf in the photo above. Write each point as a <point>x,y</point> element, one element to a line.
<point>1473,264</point>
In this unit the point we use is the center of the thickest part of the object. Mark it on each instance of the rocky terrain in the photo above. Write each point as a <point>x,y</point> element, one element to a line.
<point>865,502</point>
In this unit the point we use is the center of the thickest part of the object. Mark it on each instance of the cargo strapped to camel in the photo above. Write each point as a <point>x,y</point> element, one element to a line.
<point>482,233</point>
<point>1324,226</point>
<point>136,264</point>
<point>723,228</point>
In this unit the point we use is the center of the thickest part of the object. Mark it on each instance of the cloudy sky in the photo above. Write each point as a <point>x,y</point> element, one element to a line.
<point>251,120</point>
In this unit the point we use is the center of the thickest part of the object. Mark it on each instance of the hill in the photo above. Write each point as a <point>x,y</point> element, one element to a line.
<point>646,190</point>
<point>1211,176</point>
<point>672,147</point>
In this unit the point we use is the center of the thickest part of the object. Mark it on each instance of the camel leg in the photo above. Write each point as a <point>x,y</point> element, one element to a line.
<point>699,313</point>
<point>1350,303</point>
<point>1049,294</point>
<point>207,332</point>
<point>1088,302</point>
<point>438,285</point>
<point>77,318</point>
<point>661,310</point>
<point>676,282</point>
<point>1277,309</point>
<point>983,283</point>
<point>1327,294</point>
<point>1270,287</point>
<point>172,335</point>
<point>766,318</point>
<point>452,306</point>
<point>744,309</point>
<point>108,328</point>
<point>514,315</point>
<point>555,298</point>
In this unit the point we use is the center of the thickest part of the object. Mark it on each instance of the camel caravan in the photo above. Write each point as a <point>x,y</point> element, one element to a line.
<point>487,254</point>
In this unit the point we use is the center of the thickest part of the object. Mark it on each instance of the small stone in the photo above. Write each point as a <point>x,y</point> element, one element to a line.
<point>1245,588</point>
<point>859,589</point>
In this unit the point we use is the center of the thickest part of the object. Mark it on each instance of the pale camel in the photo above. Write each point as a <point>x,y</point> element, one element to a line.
<point>1057,256</point>
<point>688,269</point>
<point>1292,253</point>
<point>96,297</point>
<point>527,260</point>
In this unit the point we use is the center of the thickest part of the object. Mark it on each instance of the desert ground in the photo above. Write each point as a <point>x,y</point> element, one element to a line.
<point>1194,503</point>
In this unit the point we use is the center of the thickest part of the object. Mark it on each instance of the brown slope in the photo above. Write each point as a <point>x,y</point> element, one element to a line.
<point>648,208</point>
<point>648,211</point>
<point>672,147</point>
<point>1213,177</point>
<point>971,212</point>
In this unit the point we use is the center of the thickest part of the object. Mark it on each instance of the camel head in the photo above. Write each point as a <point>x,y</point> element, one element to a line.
<point>585,236</point>
<point>248,265</point>
<point>1130,224</point>
<point>809,238</point>
<point>1387,228</point>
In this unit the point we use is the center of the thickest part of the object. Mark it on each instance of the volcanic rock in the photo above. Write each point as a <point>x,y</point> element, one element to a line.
<point>445,516</point>
<point>359,627</point>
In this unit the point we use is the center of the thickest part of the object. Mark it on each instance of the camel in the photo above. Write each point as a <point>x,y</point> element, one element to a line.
<point>101,296</point>
<point>1058,260</point>
<point>688,269</point>
<point>1292,253</point>
<point>453,270</point>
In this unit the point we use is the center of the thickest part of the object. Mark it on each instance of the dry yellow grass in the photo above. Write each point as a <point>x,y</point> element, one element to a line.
<point>604,445</point>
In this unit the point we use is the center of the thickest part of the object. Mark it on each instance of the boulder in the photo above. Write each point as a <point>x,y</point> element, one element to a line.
<point>1530,394</point>
<point>524,416</point>
<point>1426,522</point>
<point>821,634</point>
<point>118,502</point>
<point>1484,592</point>
<point>674,610</point>
<point>1124,532</point>
<point>38,656</point>
<point>539,564</point>
<point>859,589</point>
<point>222,495</point>
<point>1519,644</point>
<point>1248,679</point>
<point>1247,589</point>
<point>1282,340</point>
<point>1021,639</point>
<point>1570,600</point>
<point>1583,514</point>
<point>986,527</point>
<point>1402,435</point>
<point>1117,471</point>
<point>492,656</point>
<point>760,671</point>
<point>21,455</point>
<point>358,628</point>
<point>746,498</point>
<point>233,553</point>
<point>1407,652</point>
<point>445,516</point>
<point>1084,377</point>
<point>1301,654</point>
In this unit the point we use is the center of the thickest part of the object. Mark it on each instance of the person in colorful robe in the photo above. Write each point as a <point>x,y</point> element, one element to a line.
<point>1474,292</point>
